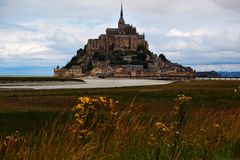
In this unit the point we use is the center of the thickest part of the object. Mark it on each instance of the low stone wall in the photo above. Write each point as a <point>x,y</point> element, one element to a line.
<point>154,75</point>
<point>68,73</point>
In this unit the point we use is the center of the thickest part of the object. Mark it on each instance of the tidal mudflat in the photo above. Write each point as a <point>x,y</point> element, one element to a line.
<point>86,83</point>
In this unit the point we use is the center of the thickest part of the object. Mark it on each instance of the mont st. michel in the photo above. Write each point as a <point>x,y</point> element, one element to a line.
<point>121,52</point>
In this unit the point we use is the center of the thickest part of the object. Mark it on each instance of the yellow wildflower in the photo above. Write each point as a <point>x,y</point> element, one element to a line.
<point>84,100</point>
<point>183,99</point>
<point>85,114</point>
<point>160,125</point>
<point>79,107</point>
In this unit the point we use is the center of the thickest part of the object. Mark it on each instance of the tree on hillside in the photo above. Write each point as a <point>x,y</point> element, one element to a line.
<point>80,52</point>
<point>141,56</point>
<point>100,56</point>
<point>141,47</point>
<point>163,58</point>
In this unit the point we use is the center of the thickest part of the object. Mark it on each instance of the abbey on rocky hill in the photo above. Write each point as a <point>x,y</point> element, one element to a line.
<point>120,52</point>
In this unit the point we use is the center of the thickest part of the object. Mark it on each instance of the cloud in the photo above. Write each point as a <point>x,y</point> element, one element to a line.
<point>47,33</point>
<point>202,46</point>
<point>41,44</point>
<point>177,33</point>
<point>55,8</point>
<point>228,4</point>
<point>46,58</point>
<point>62,41</point>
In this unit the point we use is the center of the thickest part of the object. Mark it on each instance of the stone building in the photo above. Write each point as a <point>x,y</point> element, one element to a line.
<point>123,38</point>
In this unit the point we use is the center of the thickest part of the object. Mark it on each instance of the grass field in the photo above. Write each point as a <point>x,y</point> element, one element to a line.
<point>40,105</point>
<point>29,111</point>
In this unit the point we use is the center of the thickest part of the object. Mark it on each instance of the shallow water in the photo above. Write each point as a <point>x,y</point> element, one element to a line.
<point>89,83</point>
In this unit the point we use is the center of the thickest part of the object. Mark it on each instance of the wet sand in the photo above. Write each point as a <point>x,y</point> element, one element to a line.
<point>88,83</point>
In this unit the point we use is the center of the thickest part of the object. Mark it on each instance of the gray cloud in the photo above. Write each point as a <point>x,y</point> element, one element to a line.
<point>203,46</point>
<point>228,4</point>
<point>188,32</point>
<point>63,41</point>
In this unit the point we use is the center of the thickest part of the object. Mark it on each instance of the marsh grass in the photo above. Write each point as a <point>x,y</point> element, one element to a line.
<point>208,94</point>
<point>131,134</point>
<point>210,131</point>
<point>29,121</point>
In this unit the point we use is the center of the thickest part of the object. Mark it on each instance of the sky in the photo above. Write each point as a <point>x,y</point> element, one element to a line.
<point>36,36</point>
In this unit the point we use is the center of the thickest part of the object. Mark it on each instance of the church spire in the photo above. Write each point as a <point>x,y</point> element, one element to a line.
<point>121,14</point>
<point>121,20</point>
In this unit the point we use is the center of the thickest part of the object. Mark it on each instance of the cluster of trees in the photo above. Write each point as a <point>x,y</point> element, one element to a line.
<point>163,58</point>
<point>208,74</point>
<point>74,61</point>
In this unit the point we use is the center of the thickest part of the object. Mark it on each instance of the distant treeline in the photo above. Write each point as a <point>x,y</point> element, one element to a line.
<point>214,74</point>
<point>210,74</point>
